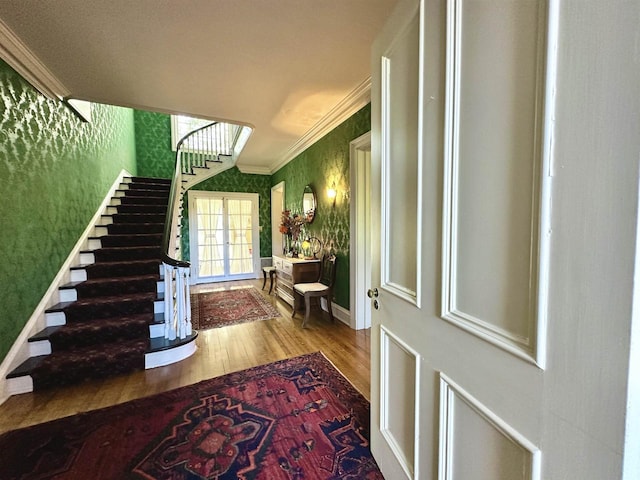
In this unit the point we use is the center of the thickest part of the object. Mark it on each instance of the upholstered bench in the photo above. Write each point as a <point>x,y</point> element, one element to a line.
<point>272,273</point>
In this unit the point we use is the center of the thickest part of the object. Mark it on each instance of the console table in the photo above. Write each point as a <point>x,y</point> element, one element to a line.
<point>290,271</point>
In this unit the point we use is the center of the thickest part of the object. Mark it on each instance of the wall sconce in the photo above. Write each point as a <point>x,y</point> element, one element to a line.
<point>332,193</point>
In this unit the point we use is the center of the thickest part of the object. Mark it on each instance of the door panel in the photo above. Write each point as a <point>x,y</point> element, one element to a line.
<point>493,168</point>
<point>399,399</point>
<point>472,438</point>
<point>400,165</point>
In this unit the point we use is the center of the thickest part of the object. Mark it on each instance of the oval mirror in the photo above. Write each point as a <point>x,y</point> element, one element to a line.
<point>309,203</point>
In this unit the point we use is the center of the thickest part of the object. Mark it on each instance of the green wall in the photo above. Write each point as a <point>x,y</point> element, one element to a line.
<point>55,173</point>
<point>324,163</point>
<point>156,159</point>
<point>153,144</point>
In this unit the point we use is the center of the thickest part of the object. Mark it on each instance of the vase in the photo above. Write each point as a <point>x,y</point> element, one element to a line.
<point>287,245</point>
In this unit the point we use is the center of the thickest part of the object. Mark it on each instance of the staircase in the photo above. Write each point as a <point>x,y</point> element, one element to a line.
<point>110,316</point>
<point>127,304</point>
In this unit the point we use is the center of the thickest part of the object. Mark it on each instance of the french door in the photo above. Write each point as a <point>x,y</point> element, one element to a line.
<point>223,236</point>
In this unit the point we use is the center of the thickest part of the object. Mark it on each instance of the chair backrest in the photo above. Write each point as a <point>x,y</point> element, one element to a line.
<point>328,270</point>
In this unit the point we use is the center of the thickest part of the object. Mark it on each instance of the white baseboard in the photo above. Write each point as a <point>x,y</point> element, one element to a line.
<point>339,312</point>
<point>19,351</point>
<point>169,356</point>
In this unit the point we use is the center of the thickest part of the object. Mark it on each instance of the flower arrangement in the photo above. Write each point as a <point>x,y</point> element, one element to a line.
<point>291,225</point>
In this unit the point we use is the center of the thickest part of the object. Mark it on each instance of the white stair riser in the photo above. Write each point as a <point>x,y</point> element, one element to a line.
<point>94,244</point>
<point>41,347</point>
<point>122,191</point>
<point>156,330</point>
<point>68,295</point>
<point>87,258</point>
<point>78,275</point>
<point>53,319</point>
<point>100,230</point>
<point>16,386</point>
<point>158,307</point>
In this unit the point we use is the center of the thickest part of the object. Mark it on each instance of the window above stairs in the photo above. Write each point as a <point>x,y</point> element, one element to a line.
<point>228,138</point>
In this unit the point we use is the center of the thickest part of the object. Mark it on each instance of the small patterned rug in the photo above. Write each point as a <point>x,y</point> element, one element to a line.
<point>229,307</point>
<point>289,420</point>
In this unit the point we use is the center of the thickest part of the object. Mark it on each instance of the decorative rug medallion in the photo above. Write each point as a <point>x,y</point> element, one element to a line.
<point>214,438</point>
<point>290,420</point>
<point>229,307</point>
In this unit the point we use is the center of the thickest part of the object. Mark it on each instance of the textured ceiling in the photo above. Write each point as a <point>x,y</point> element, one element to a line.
<point>278,65</point>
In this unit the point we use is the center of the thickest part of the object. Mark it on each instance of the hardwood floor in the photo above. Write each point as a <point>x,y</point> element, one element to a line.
<point>220,351</point>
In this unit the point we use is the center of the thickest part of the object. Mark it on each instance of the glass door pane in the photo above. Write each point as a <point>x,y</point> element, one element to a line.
<point>210,213</point>
<point>239,220</point>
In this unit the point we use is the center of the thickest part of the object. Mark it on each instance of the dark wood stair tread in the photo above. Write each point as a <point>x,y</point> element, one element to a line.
<point>117,263</point>
<point>110,280</point>
<point>135,297</point>
<point>160,343</point>
<point>26,367</point>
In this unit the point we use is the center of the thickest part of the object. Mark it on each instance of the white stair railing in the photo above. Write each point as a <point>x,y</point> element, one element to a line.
<point>210,143</point>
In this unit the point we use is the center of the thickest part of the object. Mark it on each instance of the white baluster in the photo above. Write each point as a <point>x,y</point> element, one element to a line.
<point>187,291</point>
<point>169,331</point>
<point>179,302</point>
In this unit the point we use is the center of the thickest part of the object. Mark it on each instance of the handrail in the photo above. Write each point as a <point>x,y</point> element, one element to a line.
<point>176,183</point>
<point>166,234</point>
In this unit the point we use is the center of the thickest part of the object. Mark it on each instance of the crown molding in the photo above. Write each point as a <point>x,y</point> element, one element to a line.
<point>254,169</point>
<point>354,101</point>
<point>24,61</point>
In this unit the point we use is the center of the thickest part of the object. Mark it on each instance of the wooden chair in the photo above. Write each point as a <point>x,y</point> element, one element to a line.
<point>321,288</point>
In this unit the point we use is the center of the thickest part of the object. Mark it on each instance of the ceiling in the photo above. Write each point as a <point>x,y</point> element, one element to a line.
<point>284,67</point>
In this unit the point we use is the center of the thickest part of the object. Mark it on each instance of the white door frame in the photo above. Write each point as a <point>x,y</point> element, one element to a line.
<point>360,262</point>
<point>193,235</point>
<point>277,206</point>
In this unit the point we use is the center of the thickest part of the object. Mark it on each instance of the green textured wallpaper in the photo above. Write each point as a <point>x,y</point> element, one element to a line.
<point>55,172</point>
<point>322,165</point>
<point>153,144</point>
<point>156,159</point>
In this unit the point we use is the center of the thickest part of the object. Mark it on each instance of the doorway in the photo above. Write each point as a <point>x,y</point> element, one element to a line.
<point>360,266</point>
<point>224,236</point>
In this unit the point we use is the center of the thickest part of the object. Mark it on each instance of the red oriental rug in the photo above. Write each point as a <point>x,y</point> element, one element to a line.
<point>229,307</point>
<point>289,420</point>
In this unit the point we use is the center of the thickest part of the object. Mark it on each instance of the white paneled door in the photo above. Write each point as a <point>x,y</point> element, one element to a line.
<point>224,236</point>
<point>467,382</point>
